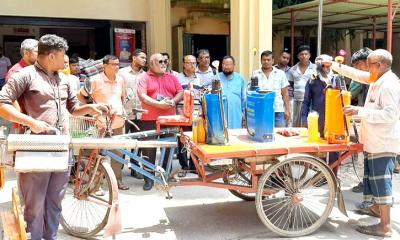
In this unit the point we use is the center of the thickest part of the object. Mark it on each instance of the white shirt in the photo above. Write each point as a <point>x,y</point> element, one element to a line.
<point>206,77</point>
<point>131,79</point>
<point>274,82</point>
<point>4,64</point>
<point>380,128</point>
<point>300,80</point>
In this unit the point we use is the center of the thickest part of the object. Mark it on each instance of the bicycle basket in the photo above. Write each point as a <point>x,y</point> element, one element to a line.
<point>83,127</point>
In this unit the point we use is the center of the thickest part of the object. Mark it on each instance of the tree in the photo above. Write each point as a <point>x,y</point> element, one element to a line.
<point>284,3</point>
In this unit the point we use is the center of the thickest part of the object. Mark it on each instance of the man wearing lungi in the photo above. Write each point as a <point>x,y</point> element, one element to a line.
<point>380,137</point>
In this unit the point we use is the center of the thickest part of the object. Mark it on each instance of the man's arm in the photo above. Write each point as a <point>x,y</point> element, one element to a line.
<point>10,113</point>
<point>305,107</point>
<point>285,97</point>
<point>178,97</point>
<point>350,72</point>
<point>92,109</point>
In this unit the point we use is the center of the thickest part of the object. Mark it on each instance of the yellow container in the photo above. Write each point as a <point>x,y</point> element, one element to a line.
<point>335,129</point>
<point>201,130</point>
<point>312,122</point>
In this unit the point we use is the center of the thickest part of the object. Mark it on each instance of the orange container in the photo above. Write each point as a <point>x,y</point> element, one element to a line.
<point>335,129</point>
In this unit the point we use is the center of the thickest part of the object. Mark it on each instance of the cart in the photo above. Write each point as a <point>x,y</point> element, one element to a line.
<point>293,188</point>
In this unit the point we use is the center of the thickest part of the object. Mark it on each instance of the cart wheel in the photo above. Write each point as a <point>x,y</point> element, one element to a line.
<point>295,197</point>
<point>85,211</point>
<point>243,178</point>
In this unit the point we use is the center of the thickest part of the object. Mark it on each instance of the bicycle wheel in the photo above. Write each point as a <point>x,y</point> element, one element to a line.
<point>242,178</point>
<point>296,196</point>
<point>84,210</point>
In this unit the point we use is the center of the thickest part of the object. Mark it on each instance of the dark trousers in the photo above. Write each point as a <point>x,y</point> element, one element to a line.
<point>150,153</point>
<point>129,128</point>
<point>42,194</point>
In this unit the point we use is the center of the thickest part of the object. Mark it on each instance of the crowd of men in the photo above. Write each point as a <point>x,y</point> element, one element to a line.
<point>158,90</point>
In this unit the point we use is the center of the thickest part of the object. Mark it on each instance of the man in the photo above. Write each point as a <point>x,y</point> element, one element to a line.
<point>283,61</point>
<point>131,75</point>
<point>283,64</point>
<point>273,79</point>
<point>234,87</point>
<point>159,93</point>
<point>43,111</point>
<point>314,98</point>
<point>74,68</point>
<point>203,70</point>
<point>29,51</point>
<point>5,65</point>
<point>380,137</point>
<point>169,69</point>
<point>109,88</point>
<point>186,78</point>
<point>74,80</point>
<point>300,74</point>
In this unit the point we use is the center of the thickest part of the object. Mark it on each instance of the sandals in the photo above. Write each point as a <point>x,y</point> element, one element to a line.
<point>373,230</point>
<point>367,211</point>
<point>121,186</point>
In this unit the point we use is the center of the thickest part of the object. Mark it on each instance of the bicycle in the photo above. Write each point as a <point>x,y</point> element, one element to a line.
<point>85,213</point>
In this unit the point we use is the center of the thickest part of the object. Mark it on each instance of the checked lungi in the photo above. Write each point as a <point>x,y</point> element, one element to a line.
<point>378,173</point>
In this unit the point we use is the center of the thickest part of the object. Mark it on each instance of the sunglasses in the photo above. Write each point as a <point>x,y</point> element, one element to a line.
<point>163,61</point>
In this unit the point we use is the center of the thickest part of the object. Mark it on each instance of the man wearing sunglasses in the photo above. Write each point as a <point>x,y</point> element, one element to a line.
<point>159,92</point>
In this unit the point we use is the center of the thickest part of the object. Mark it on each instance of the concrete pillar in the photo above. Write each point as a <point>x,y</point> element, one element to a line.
<point>251,33</point>
<point>358,41</point>
<point>159,26</point>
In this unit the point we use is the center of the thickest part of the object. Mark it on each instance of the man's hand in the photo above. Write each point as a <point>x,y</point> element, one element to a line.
<point>350,110</point>
<point>38,126</point>
<point>99,109</point>
<point>165,104</point>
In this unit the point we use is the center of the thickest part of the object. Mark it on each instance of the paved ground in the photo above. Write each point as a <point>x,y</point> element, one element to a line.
<point>200,213</point>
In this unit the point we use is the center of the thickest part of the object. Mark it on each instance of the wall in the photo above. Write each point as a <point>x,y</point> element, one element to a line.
<point>199,23</point>
<point>86,9</point>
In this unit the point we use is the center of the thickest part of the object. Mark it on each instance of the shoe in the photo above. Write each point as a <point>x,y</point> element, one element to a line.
<point>148,184</point>
<point>374,230</point>
<point>121,186</point>
<point>136,174</point>
<point>359,188</point>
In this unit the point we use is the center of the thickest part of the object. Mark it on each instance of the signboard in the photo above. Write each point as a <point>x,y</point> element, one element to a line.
<point>125,44</point>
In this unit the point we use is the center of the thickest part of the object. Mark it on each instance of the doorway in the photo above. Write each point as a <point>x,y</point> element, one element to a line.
<point>218,45</point>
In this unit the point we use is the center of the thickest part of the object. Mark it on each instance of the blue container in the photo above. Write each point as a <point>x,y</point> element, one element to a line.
<point>260,115</point>
<point>215,122</point>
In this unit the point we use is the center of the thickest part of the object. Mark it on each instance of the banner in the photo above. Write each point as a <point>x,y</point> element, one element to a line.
<point>124,40</point>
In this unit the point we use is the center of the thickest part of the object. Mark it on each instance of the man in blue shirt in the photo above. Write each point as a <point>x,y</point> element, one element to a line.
<point>234,87</point>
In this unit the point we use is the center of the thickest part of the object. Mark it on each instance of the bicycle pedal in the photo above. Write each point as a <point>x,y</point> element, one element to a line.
<point>169,197</point>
